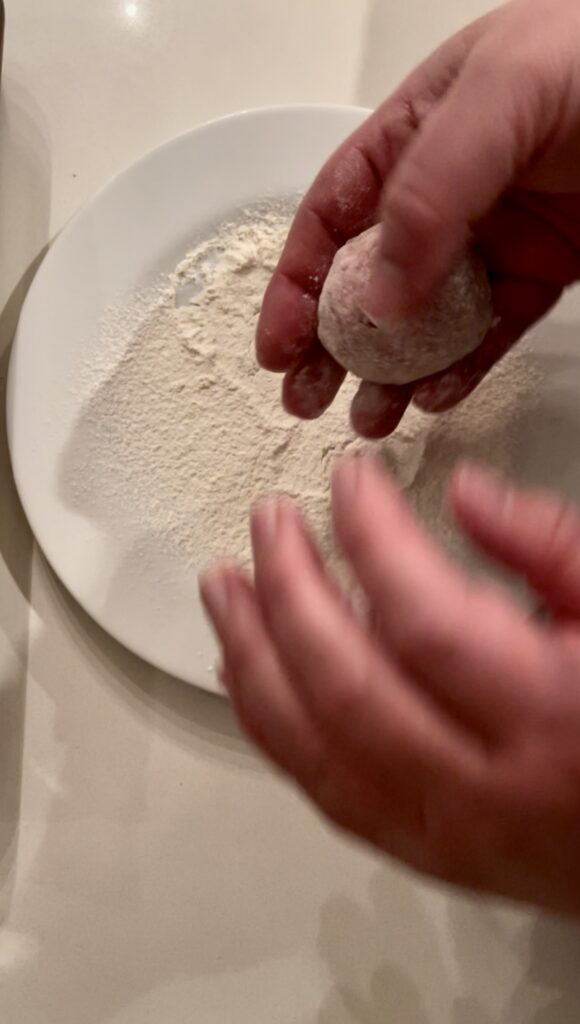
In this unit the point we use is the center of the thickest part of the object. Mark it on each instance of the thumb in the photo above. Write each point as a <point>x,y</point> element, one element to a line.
<point>535,533</point>
<point>463,157</point>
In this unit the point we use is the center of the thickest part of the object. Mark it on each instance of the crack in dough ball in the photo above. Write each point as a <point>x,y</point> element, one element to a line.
<point>404,350</point>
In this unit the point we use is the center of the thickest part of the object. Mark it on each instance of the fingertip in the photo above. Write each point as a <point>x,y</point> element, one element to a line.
<point>457,487</point>
<point>224,579</point>
<point>215,592</point>
<point>225,677</point>
<point>269,516</point>
<point>377,409</point>
<point>358,477</point>
<point>344,479</point>
<point>311,387</point>
<point>287,325</point>
<point>478,493</point>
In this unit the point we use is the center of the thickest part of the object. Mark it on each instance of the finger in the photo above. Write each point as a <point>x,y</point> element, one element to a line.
<point>469,648</point>
<point>525,240</point>
<point>403,821</point>
<point>356,695</point>
<point>343,201</point>
<point>273,717</point>
<point>289,327</point>
<point>518,304</point>
<point>260,693</point>
<point>312,385</point>
<point>467,153</point>
<point>377,409</point>
<point>535,533</point>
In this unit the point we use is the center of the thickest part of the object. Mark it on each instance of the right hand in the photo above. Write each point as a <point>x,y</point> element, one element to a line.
<point>441,725</point>
<point>483,141</point>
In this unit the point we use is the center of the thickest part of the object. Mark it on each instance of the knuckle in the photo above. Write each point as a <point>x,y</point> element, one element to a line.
<point>304,757</point>
<point>339,799</point>
<point>342,703</point>
<point>401,121</point>
<point>316,778</point>
<point>413,111</point>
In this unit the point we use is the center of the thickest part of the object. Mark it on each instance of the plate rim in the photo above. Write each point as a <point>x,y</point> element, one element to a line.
<point>71,225</point>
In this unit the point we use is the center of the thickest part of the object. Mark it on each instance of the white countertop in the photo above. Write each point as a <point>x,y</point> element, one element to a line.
<point>152,869</point>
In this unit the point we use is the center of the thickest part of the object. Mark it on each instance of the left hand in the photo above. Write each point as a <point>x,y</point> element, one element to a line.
<point>445,728</point>
<point>481,142</point>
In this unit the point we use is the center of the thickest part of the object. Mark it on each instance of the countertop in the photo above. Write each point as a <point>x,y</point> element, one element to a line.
<point>152,868</point>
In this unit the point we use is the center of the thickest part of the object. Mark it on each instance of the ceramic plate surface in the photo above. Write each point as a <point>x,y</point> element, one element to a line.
<point>137,228</point>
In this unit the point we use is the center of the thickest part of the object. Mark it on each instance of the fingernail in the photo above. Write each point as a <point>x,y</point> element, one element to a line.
<point>265,520</point>
<point>483,488</point>
<point>214,592</point>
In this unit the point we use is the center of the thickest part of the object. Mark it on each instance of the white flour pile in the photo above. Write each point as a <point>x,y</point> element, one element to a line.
<point>182,431</point>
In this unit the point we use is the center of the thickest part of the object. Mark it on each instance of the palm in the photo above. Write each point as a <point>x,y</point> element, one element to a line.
<point>531,247</point>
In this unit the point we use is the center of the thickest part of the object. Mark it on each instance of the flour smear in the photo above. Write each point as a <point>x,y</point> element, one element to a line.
<point>181,431</point>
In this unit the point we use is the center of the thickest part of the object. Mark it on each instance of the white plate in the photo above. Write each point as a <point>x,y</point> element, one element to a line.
<point>135,229</point>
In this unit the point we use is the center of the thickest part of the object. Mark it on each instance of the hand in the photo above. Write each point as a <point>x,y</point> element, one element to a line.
<point>478,141</point>
<point>445,730</point>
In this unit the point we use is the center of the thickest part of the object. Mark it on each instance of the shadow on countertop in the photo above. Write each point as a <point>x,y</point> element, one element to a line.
<point>25,174</point>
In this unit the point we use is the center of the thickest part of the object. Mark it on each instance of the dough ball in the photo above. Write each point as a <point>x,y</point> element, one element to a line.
<point>399,352</point>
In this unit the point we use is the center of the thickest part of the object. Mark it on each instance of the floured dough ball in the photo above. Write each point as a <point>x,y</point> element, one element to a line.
<point>399,352</point>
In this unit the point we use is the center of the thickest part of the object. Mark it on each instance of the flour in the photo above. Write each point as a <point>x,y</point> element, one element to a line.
<point>182,431</point>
